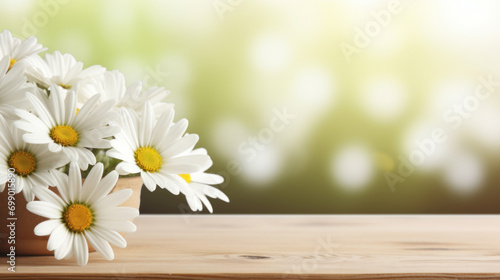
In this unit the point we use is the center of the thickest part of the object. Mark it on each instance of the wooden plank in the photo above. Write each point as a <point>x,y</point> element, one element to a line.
<point>291,247</point>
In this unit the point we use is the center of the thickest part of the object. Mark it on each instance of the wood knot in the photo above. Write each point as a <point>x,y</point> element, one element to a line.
<point>254,257</point>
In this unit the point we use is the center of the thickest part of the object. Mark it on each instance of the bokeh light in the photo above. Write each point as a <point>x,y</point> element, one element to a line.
<point>353,168</point>
<point>384,98</point>
<point>270,53</point>
<point>464,174</point>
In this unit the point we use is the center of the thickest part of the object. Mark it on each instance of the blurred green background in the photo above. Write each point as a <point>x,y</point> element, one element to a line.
<point>366,84</point>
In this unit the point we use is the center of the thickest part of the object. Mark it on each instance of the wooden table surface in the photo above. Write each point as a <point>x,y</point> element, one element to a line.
<point>291,247</point>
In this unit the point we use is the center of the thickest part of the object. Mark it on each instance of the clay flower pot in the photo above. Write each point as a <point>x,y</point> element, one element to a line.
<point>26,242</point>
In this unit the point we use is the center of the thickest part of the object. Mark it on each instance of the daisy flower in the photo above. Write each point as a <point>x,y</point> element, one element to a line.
<point>155,149</point>
<point>60,69</point>
<point>63,127</point>
<point>83,213</point>
<point>112,86</point>
<point>16,49</point>
<point>200,184</point>
<point>33,165</point>
<point>12,88</point>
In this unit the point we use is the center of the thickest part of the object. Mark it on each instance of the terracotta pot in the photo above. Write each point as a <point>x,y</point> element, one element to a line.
<point>27,243</point>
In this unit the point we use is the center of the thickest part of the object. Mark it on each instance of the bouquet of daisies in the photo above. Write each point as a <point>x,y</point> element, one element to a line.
<point>60,122</point>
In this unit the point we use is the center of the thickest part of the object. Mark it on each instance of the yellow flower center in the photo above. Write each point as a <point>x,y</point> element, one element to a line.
<point>65,86</point>
<point>64,135</point>
<point>78,217</point>
<point>23,162</point>
<point>148,159</point>
<point>12,62</point>
<point>186,177</point>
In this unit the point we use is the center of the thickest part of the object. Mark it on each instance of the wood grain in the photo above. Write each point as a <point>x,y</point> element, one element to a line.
<point>291,247</point>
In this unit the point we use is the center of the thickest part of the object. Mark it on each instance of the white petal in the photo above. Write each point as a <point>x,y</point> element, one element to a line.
<point>86,110</point>
<point>41,110</point>
<point>92,180</point>
<point>176,131</point>
<point>119,226</point>
<point>205,201</point>
<point>53,147</point>
<point>44,209</point>
<point>81,250</point>
<point>57,237</point>
<point>46,227</point>
<point>51,160</point>
<point>164,121</point>
<point>164,182</point>
<point>62,186</point>
<point>207,178</point>
<point>125,168</point>
<point>118,213</point>
<point>207,204</point>
<point>113,199</point>
<point>180,168</point>
<point>56,104</point>
<point>198,160</point>
<point>32,123</point>
<point>148,181</point>
<point>129,126</point>
<point>69,108</point>
<point>44,194</point>
<point>210,191</point>
<point>100,245</point>
<point>27,192</point>
<point>172,185</point>
<point>192,201</point>
<point>20,185</point>
<point>66,248</point>
<point>199,151</point>
<point>112,237</point>
<point>38,139</point>
<point>103,187</point>
<point>123,147</point>
<point>184,144</point>
<point>146,126</point>
<point>75,182</point>
<point>85,158</point>
<point>114,153</point>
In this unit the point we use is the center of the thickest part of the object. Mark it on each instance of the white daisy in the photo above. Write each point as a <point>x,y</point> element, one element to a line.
<point>155,149</point>
<point>111,85</point>
<point>16,49</point>
<point>33,165</point>
<point>60,69</point>
<point>59,124</point>
<point>12,88</point>
<point>200,184</point>
<point>83,213</point>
